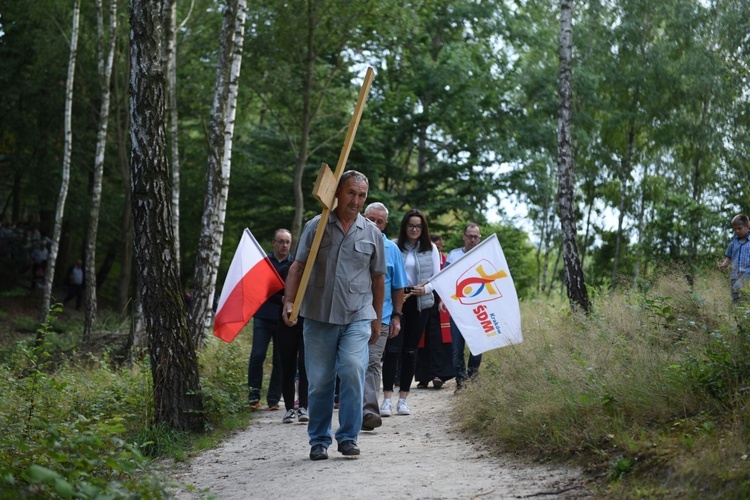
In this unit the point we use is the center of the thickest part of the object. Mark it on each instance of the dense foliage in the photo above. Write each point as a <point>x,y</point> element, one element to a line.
<point>460,122</point>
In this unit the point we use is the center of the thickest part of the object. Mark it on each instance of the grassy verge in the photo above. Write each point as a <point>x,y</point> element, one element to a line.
<point>649,394</point>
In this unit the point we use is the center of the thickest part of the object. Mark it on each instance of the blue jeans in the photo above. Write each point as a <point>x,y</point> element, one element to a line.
<point>332,350</point>
<point>459,363</point>
<point>263,332</point>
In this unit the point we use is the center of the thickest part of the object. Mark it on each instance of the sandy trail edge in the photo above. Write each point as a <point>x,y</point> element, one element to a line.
<point>419,456</point>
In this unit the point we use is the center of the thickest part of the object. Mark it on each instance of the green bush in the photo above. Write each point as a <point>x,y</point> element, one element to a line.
<point>82,426</point>
<point>63,430</point>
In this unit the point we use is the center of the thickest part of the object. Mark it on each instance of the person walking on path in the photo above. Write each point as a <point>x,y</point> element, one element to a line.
<point>393,299</point>
<point>265,323</point>
<point>472,235</point>
<point>341,307</point>
<point>421,261</point>
<point>435,351</point>
<point>291,345</point>
<point>738,255</point>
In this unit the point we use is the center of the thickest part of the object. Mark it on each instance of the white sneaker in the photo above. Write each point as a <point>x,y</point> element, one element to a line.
<point>402,407</point>
<point>302,415</point>
<point>288,417</point>
<point>386,409</point>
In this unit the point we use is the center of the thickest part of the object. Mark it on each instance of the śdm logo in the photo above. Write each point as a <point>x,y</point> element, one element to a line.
<point>477,285</point>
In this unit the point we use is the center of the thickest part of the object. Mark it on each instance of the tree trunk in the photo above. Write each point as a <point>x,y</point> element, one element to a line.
<point>126,225</point>
<point>49,278</point>
<point>105,75</point>
<point>554,271</point>
<point>577,293</point>
<point>622,208</point>
<point>548,227</point>
<point>641,227</point>
<point>587,231</point>
<point>307,118</point>
<point>174,365</point>
<point>693,216</point>
<point>170,64</point>
<point>221,130</point>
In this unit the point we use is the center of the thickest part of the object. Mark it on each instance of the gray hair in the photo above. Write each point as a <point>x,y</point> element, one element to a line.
<point>376,205</point>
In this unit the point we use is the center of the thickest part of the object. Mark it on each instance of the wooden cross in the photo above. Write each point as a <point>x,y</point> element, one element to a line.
<point>325,190</point>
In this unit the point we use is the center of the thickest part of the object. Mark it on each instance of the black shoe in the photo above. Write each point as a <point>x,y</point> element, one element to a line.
<point>370,421</point>
<point>349,448</point>
<point>320,452</point>
<point>437,383</point>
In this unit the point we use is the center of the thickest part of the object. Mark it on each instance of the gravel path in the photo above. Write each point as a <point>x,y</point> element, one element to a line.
<point>416,457</point>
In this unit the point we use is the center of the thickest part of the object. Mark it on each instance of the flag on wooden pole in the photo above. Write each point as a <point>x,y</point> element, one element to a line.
<point>250,281</point>
<point>479,293</point>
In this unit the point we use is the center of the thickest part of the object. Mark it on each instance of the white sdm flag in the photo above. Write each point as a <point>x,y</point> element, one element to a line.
<point>479,293</point>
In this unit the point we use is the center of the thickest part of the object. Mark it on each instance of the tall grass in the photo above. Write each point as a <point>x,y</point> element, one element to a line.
<point>650,391</point>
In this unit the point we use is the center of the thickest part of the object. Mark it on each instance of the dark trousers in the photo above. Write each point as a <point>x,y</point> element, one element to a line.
<point>74,291</point>
<point>264,332</point>
<point>404,347</point>
<point>459,362</point>
<point>435,359</point>
<point>291,344</point>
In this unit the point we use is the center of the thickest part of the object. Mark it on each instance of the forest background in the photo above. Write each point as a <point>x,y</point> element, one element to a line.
<point>462,119</point>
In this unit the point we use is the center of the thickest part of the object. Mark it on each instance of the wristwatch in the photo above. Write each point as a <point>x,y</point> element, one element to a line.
<point>398,315</point>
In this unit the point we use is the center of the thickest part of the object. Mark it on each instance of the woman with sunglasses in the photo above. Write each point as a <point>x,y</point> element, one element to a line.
<point>422,261</point>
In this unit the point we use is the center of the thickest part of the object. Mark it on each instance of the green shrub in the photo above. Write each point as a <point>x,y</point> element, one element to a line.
<point>63,430</point>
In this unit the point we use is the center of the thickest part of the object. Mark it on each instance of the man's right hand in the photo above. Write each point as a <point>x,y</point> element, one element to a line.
<point>286,312</point>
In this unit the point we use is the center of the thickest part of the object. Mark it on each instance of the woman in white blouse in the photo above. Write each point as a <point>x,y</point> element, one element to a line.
<point>422,261</point>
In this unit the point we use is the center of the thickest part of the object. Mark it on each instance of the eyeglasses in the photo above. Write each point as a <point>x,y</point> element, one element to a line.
<point>473,236</point>
<point>283,242</point>
<point>412,227</point>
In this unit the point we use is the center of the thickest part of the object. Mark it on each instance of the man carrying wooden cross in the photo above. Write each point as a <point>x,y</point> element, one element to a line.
<point>342,305</point>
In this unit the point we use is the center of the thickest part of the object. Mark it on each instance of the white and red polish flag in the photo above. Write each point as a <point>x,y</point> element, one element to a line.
<point>479,293</point>
<point>250,281</point>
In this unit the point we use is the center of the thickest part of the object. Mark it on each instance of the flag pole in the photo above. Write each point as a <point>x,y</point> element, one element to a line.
<point>412,293</point>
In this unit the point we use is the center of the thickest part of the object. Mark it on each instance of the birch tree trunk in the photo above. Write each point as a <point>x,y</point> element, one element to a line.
<point>548,229</point>
<point>577,294</point>
<point>221,131</point>
<point>68,146</point>
<point>174,365</point>
<point>170,63</point>
<point>105,75</point>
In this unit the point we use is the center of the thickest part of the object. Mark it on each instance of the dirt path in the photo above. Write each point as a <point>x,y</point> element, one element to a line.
<point>416,457</point>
